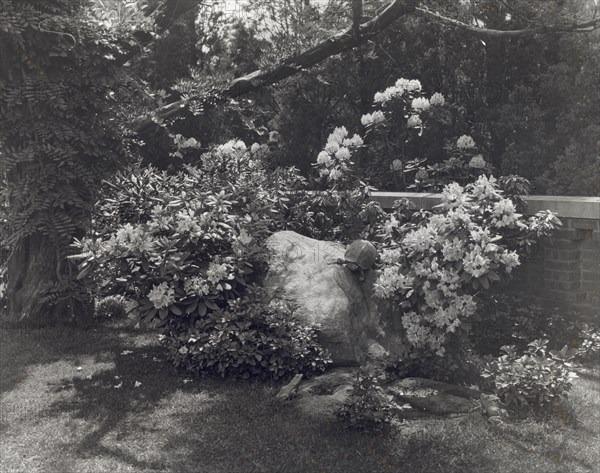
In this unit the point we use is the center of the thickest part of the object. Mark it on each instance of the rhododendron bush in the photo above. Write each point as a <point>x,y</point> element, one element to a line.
<point>435,268</point>
<point>188,258</point>
<point>401,139</point>
<point>196,245</point>
<point>434,265</point>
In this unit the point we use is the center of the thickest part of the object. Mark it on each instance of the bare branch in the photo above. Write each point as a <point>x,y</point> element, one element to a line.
<point>585,27</point>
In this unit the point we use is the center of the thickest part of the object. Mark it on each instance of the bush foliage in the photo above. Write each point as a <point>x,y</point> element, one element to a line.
<point>536,379</point>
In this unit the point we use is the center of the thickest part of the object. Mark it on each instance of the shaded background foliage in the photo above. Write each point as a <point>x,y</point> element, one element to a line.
<point>75,74</point>
<point>530,103</point>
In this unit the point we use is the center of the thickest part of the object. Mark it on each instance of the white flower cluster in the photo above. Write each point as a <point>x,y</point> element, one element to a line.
<point>397,90</point>
<point>162,295</point>
<point>437,99</point>
<point>233,156</point>
<point>420,104</point>
<point>477,162</point>
<point>132,239</point>
<point>446,253</point>
<point>465,142</point>
<point>196,286</point>
<point>232,147</point>
<point>218,272</point>
<point>374,118</point>
<point>414,121</point>
<point>334,160</point>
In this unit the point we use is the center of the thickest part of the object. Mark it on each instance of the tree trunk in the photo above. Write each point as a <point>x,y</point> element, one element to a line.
<point>40,281</point>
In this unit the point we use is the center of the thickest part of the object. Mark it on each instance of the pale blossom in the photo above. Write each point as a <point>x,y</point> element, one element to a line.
<point>465,142</point>
<point>162,295</point>
<point>324,158</point>
<point>414,121</point>
<point>504,213</point>
<point>420,104</point>
<point>476,264</point>
<point>396,165</point>
<point>196,286</point>
<point>332,148</point>
<point>356,140</point>
<point>477,162</point>
<point>484,188</point>
<point>335,174</point>
<point>437,99</point>
<point>338,135</point>
<point>373,118</point>
<point>343,153</point>
<point>453,196</point>
<point>510,260</point>
<point>453,250</point>
<point>217,272</point>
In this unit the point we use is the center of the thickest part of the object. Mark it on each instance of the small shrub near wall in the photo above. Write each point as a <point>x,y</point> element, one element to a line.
<point>535,380</point>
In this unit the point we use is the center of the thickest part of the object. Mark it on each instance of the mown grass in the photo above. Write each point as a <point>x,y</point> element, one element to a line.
<point>58,419</point>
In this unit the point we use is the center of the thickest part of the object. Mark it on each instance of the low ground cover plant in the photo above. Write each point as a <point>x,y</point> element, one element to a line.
<point>536,379</point>
<point>253,337</point>
<point>368,407</point>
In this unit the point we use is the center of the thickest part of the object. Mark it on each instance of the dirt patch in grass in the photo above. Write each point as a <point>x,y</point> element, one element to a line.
<point>106,400</point>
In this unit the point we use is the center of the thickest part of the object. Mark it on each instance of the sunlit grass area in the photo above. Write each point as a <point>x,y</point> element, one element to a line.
<point>106,400</point>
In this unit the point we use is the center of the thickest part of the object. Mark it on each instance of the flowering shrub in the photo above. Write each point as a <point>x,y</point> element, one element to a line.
<point>395,140</point>
<point>251,337</point>
<point>334,161</point>
<point>434,268</point>
<point>189,255</point>
<point>536,379</point>
<point>339,208</point>
<point>588,349</point>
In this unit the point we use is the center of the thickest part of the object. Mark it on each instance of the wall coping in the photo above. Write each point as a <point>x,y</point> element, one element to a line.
<point>565,206</point>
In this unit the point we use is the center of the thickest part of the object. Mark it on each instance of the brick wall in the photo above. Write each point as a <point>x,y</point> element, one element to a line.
<point>566,269</point>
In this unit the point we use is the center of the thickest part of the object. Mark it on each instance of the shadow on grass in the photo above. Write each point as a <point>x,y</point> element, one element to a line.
<point>21,347</point>
<point>141,379</point>
<point>214,426</point>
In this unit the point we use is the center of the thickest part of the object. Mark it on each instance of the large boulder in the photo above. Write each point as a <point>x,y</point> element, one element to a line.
<point>353,325</point>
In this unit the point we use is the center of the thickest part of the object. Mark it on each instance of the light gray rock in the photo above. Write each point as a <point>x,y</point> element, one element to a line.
<point>287,391</point>
<point>353,325</point>
<point>322,395</point>
<point>415,398</point>
<point>435,397</point>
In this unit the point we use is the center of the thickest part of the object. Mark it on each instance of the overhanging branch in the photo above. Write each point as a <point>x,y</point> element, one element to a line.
<point>336,44</point>
<point>585,27</point>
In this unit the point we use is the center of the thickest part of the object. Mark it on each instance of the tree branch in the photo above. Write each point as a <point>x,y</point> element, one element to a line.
<point>485,32</point>
<point>332,46</point>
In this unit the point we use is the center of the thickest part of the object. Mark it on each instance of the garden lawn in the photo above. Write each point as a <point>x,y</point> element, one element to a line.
<point>105,400</point>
